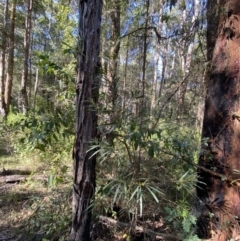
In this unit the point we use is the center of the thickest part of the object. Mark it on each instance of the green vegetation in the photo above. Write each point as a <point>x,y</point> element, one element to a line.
<point>149,119</point>
<point>163,191</point>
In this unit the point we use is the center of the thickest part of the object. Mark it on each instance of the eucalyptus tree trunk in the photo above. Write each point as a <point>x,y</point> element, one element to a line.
<point>9,80</point>
<point>125,75</point>
<point>87,90</point>
<point>141,108</point>
<point>156,61</point>
<point>27,37</point>
<point>144,63</point>
<point>35,90</point>
<point>219,162</point>
<point>3,60</point>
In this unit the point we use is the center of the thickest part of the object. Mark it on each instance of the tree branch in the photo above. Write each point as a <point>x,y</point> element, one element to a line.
<point>212,173</point>
<point>159,36</point>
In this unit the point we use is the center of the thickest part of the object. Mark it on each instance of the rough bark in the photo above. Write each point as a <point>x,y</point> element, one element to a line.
<point>24,96</point>
<point>219,212</point>
<point>9,80</point>
<point>87,87</point>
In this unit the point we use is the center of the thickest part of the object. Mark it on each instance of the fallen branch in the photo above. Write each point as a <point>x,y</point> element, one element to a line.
<point>140,229</point>
<point>21,178</point>
<point>7,238</point>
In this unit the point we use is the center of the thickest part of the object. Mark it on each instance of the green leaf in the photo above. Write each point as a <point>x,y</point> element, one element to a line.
<point>133,194</point>
<point>141,203</point>
<point>186,225</point>
<point>116,194</point>
<point>157,190</point>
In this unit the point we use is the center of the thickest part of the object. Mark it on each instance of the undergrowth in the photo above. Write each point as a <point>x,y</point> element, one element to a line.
<point>145,177</point>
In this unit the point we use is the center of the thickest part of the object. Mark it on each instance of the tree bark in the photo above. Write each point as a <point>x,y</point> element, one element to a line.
<point>219,212</point>
<point>27,37</point>
<point>9,80</point>
<point>87,89</point>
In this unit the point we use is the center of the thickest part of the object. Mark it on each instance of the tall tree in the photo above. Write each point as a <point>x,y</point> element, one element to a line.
<point>219,165</point>
<point>187,47</point>
<point>156,60</point>
<point>87,89</point>
<point>3,60</point>
<point>111,52</point>
<point>9,80</point>
<point>114,51</point>
<point>27,37</point>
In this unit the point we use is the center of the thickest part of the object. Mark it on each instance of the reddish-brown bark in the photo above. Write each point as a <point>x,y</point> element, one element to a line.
<point>220,200</point>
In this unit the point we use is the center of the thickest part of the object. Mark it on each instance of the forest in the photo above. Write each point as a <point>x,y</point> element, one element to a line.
<point>119,120</point>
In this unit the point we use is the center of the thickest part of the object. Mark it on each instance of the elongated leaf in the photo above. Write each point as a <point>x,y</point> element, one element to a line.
<point>153,194</point>
<point>116,194</point>
<point>157,190</point>
<point>141,204</point>
<point>133,194</point>
<point>183,176</point>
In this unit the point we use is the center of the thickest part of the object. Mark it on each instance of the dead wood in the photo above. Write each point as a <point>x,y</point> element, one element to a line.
<point>137,229</point>
<point>21,178</point>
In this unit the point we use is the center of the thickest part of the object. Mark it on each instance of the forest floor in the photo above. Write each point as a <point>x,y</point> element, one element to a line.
<point>32,208</point>
<point>28,202</point>
<point>10,198</point>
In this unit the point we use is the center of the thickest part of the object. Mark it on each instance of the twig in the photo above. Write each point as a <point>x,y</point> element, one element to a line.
<point>167,101</point>
<point>159,36</point>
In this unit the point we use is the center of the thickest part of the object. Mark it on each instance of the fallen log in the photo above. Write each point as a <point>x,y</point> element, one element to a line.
<point>138,229</point>
<point>21,178</point>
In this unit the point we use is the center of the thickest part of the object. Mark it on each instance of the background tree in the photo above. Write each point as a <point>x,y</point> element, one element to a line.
<point>27,39</point>
<point>3,60</point>
<point>10,66</point>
